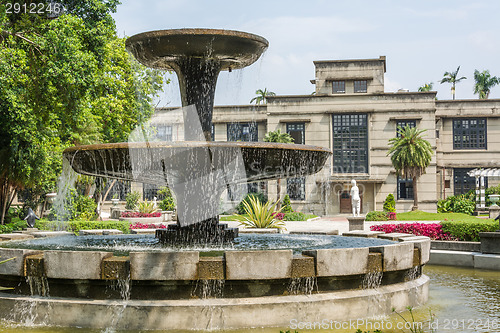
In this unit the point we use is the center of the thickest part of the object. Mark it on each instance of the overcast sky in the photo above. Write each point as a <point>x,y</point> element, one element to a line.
<point>421,39</point>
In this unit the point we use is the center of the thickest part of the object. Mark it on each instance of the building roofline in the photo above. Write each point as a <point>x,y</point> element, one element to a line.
<point>443,101</point>
<point>381,58</point>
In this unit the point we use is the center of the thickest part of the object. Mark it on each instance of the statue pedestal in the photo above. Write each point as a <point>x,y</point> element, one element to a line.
<point>356,223</point>
<point>494,210</point>
<point>115,213</point>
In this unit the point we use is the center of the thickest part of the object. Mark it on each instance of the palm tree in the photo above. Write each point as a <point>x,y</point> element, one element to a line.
<point>484,83</point>
<point>262,96</point>
<point>426,87</point>
<point>451,77</point>
<point>410,155</point>
<point>279,137</point>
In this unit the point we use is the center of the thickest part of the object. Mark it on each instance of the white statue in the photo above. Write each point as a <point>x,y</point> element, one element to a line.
<point>355,199</point>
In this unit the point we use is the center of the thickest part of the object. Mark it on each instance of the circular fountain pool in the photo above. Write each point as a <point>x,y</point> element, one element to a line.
<point>122,245</point>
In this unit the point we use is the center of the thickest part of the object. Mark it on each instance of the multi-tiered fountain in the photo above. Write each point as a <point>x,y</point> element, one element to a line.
<point>300,278</point>
<point>197,170</point>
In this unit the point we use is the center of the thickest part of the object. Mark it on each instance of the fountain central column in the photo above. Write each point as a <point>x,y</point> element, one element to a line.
<point>197,81</point>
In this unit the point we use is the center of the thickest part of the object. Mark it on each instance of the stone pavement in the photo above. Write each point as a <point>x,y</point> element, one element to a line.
<point>326,224</point>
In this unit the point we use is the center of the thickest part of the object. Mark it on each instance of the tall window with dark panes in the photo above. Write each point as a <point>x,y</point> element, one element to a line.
<point>242,132</point>
<point>463,183</point>
<point>164,132</point>
<point>405,185</point>
<point>297,132</point>
<point>405,188</point>
<point>469,133</point>
<point>350,143</point>
<point>360,86</point>
<point>403,124</point>
<point>119,190</point>
<point>296,188</point>
<point>338,87</point>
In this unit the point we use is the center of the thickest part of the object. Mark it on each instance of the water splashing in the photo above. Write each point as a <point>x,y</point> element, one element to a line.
<point>302,285</point>
<point>372,280</point>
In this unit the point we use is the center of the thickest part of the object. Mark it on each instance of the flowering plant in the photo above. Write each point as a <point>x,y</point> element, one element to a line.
<point>147,226</point>
<point>278,216</point>
<point>391,215</point>
<point>138,214</point>
<point>432,230</point>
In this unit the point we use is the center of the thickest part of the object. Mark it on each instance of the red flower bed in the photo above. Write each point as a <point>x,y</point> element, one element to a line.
<point>147,226</point>
<point>432,230</point>
<point>279,216</point>
<point>137,214</point>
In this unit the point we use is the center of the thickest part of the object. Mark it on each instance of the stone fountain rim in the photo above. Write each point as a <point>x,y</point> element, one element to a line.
<point>197,32</point>
<point>198,144</point>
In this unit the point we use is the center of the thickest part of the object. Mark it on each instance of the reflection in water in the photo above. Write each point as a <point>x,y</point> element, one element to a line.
<point>462,300</point>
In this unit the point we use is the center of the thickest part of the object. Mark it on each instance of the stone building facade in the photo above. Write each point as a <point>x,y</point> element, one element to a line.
<point>350,113</point>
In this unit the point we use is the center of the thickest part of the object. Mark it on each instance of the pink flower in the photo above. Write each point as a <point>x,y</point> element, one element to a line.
<point>431,230</point>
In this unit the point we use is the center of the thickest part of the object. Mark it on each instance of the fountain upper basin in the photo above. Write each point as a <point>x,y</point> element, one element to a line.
<point>154,162</point>
<point>162,48</point>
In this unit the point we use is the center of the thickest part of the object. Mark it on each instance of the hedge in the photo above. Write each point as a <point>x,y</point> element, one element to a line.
<point>76,226</point>
<point>468,231</point>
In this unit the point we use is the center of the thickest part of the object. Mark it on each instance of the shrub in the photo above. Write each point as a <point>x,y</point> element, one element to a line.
<point>167,199</point>
<point>76,226</point>
<point>376,216</point>
<point>490,190</point>
<point>468,231</point>
<point>286,206</point>
<point>294,216</point>
<point>75,207</point>
<point>431,230</point>
<point>131,200</point>
<point>146,207</point>
<point>389,203</point>
<point>463,203</point>
<point>260,215</point>
<point>240,208</point>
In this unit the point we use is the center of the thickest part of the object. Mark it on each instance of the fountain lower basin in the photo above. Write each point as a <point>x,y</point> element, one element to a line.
<point>199,289</point>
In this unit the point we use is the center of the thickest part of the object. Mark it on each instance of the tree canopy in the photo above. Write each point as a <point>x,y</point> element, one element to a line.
<point>64,80</point>
<point>451,77</point>
<point>262,96</point>
<point>484,82</point>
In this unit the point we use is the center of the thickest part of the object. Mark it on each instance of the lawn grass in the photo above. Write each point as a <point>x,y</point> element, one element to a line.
<point>425,216</point>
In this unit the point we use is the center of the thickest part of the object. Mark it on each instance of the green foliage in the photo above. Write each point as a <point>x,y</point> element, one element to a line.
<point>167,199</point>
<point>64,81</point>
<point>132,199</point>
<point>286,205</point>
<point>451,77</point>
<point>278,137</point>
<point>463,203</point>
<point>240,208</point>
<point>469,230</point>
<point>85,208</point>
<point>146,207</point>
<point>15,224</point>
<point>390,203</point>
<point>376,216</point>
<point>262,96</point>
<point>77,225</point>
<point>76,206</point>
<point>294,216</point>
<point>426,87</point>
<point>484,82</point>
<point>260,215</point>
